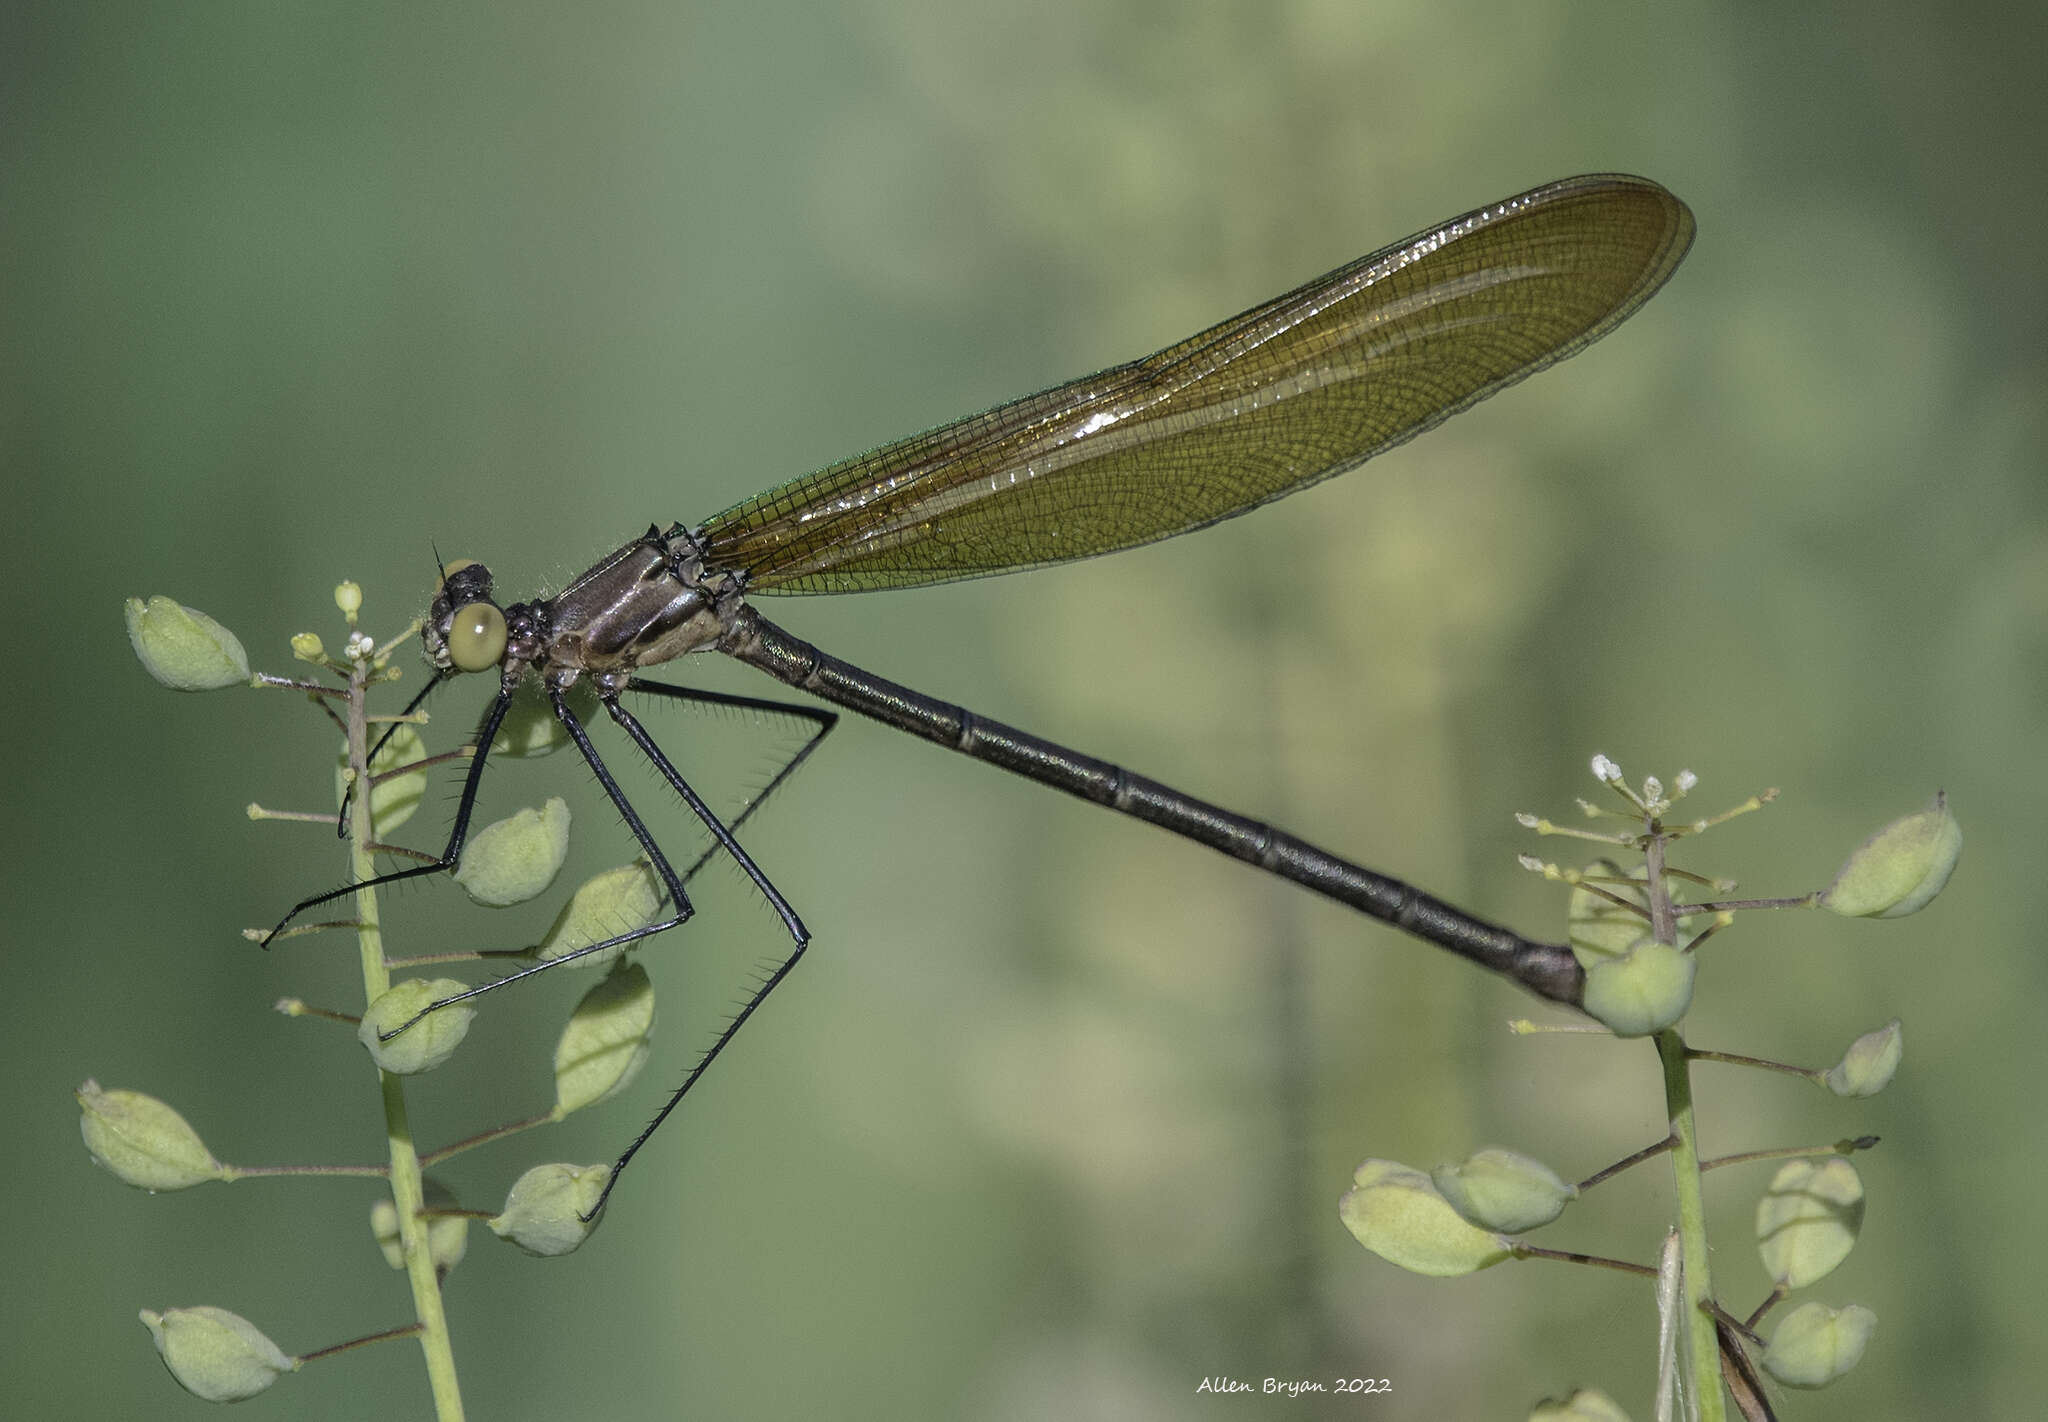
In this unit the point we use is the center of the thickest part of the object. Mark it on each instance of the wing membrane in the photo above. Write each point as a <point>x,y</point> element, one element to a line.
<point>1303,387</point>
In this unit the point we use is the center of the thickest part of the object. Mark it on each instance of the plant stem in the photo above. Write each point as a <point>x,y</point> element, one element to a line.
<point>1705,1350</point>
<point>406,1190</point>
<point>1692,1226</point>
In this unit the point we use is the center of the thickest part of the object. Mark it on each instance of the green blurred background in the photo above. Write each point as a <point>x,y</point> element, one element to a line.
<point>1053,1121</point>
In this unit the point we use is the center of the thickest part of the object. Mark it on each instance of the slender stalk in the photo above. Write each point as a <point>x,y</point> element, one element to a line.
<point>1761,1063</point>
<point>252,1172</point>
<point>496,1133</point>
<point>406,1190</point>
<point>1571,1256</point>
<point>1624,1163</point>
<point>1731,905</point>
<point>1843,1147</point>
<point>1698,1285</point>
<point>405,1331</point>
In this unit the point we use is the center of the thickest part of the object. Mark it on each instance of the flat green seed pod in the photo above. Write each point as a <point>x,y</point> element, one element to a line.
<point>1899,869</point>
<point>142,1142</point>
<point>606,1041</point>
<point>214,1354</point>
<point>1644,991</point>
<point>1504,1190</point>
<point>428,1042</point>
<point>447,1234</point>
<point>1600,928</point>
<point>607,905</point>
<point>543,1214</point>
<point>1807,1222</point>
<point>393,800</point>
<point>184,648</point>
<point>1869,1064</point>
<point>1815,1344</point>
<point>1396,1212</point>
<point>530,728</point>
<point>514,859</point>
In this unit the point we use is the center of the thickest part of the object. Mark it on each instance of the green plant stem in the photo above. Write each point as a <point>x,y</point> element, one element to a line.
<point>1705,1350</point>
<point>407,1193</point>
<point>1692,1226</point>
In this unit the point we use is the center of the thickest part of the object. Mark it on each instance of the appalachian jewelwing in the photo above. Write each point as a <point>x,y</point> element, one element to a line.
<point>1289,393</point>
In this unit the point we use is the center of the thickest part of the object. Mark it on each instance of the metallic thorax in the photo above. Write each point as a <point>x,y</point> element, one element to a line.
<point>649,602</point>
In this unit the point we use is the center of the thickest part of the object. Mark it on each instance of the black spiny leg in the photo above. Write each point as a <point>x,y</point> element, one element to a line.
<point>450,854</point>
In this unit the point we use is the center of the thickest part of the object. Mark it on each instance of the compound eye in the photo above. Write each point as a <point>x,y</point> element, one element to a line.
<point>476,637</point>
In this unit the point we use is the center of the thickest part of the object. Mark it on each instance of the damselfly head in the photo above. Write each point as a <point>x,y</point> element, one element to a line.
<point>465,629</point>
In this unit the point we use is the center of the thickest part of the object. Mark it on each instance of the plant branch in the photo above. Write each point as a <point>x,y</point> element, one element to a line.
<point>407,1191</point>
<point>1698,1284</point>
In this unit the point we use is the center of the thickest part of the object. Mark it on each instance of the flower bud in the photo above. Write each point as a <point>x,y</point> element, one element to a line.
<point>216,1355</point>
<point>1867,1067</point>
<point>607,905</point>
<point>447,1234</point>
<point>1900,868</point>
<point>429,1041</point>
<point>543,1214</point>
<point>1815,1344</point>
<point>1397,1213</point>
<point>308,647</point>
<point>142,1142</point>
<point>513,859</point>
<point>348,597</point>
<point>1643,991</point>
<point>605,1044</point>
<point>184,648</point>
<point>1504,1190</point>
<point>1807,1222</point>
